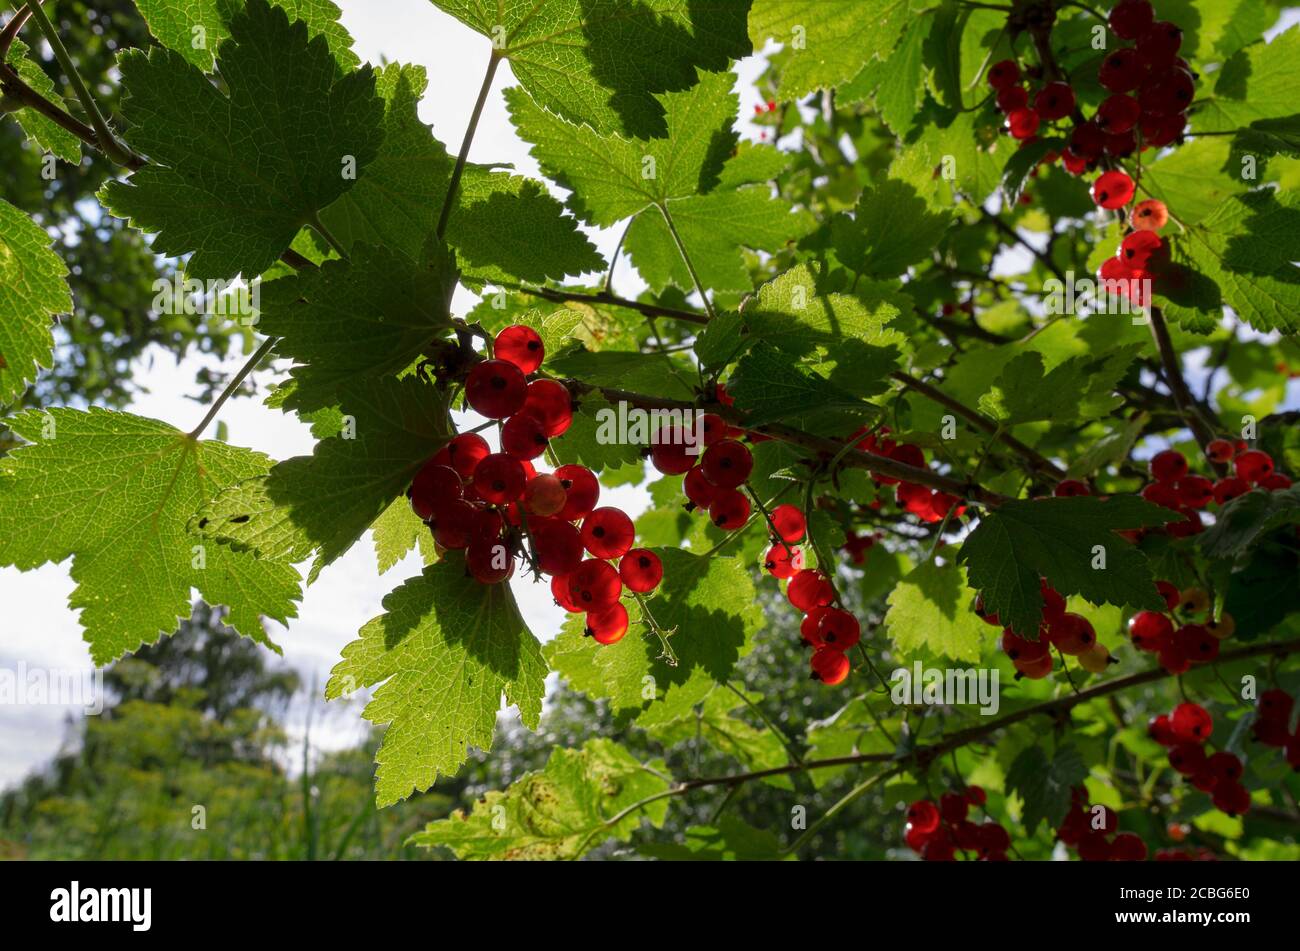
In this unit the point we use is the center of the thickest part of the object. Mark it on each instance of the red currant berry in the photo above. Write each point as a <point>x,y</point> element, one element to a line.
<point>976,796</point>
<point>1219,450</point>
<point>1226,767</point>
<point>1276,705</point>
<point>1163,494</point>
<point>453,524</point>
<point>432,486</point>
<point>1159,131</point>
<point>790,523</point>
<point>809,589</point>
<point>1118,113</point>
<point>1074,163</point>
<point>489,560</point>
<point>727,463</point>
<point>1073,634</point>
<point>1158,46</point>
<point>781,563</point>
<point>1018,648</point>
<point>923,816</point>
<point>1137,248</point>
<point>1173,659</point>
<point>1053,602</point>
<point>712,428</point>
<point>1150,631</point>
<point>581,490</point>
<point>1187,758</point>
<point>1168,465</point>
<point>1169,95</point>
<point>560,592</point>
<point>1231,798</point>
<point>557,545</point>
<point>608,625</point>
<point>465,452</point>
<point>1197,643</point>
<point>698,489</point>
<point>994,840</point>
<point>1121,144</point>
<point>1253,465</point>
<point>1127,847</point>
<point>1274,482</point>
<point>521,346</point>
<point>1121,71</point>
<point>1068,488</point>
<point>1227,489</point>
<point>499,479</point>
<point>641,570</point>
<point>1162,731</point>
<point>1152,215</point>
<point>1112,190</point>
<point>1129,19</point>
<point>982,613</point>
<point>495,389</point>
<point>1191,723</point>
<point>544,495</point>
<point>1035,669</point>
<point>1022,123</point>
<point>670,453</point>
<point>523,437</point>
<point>608,533</point>
<point>1003,74</point>
<point>1170,593</point>
<point>549,402</point>
<point>810,628</point>
<point>1054,101</point>
<point>595,585</point>
<point>829,665</point>
<point>729,510</point>
<point>839,629</point>
<point>1195,491</point>
<point>1009,100</point>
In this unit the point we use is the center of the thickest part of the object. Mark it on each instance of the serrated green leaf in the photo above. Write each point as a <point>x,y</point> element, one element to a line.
<point>711,604</point>
<point>891,229</point>
<point>1258,82</point>
<point>1242,522</point>
<point>1079,388</point>
<point>33,289</point>
<point>930,611</point>
<point>442,656</point>
<point>195,28</point>
<point>322,503</point>
<point>1023,161</point>
<point>40,129</point>
<point>114,491</point>
<point>234,176</point>
<point>561,812</point>
<point>729,840</point>
<point>768,386</point>
<point>712,721</point>
<point>397,531</point>
<point>1044,784</point>
<point>604,63</point>
<point>613,177</point>
<point>1057,539</point>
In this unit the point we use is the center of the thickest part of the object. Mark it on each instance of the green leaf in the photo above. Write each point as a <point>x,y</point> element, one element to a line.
<point>1023,161</point>
<point>943,52</point>
<point>613,177</point>
<point>891,229</point>
<point>894,81</point>
<point>769,385</point>
<point>715,228</point>
<point>729,840</point>
<point>585,442</point>
<point>33,289</point>
<point>442,656</point>
<point>1269,137</point>
<point>1242,256</point>
<point>503,226</point>
<point>322,503</point>
<point>1044,784</point>
<point>827,43</point>
<point>367,318</point>
<point>1244,520</point>
<point>1258,82</point>
<point>1079,388</point>
<point>234,176</point>
<point>790,313</point>
<point>194,28</point>
<point>930,611</point>
<point>397,531</point>
<point>656,374</point>
<point>1058,539</point>
<point>711,604</point>
<point>46,133</point>
<point>1190,179</point>
<point>115,491</point>
<point>562,812</point>
<point>751,747</point>
<point>604,63</point>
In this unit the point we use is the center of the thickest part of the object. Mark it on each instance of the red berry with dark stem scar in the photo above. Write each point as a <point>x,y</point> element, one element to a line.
<point>1253,465</point>
<point>560,592</point>
<point>557,545</point>
<point>1152,215</point>
<point>641,570</point>
<point>1119,113</point>
<point>1073,634</point>
<point>809,589</point>
<point>1227,489</point>
<point>499,478</point>
<point>1009,100</point>
<point>923,815</point>
<point>1129,19</point>
<point>1003,74</point>
<point>432,486</point>
<point>1150,631</point>
<point>1191,723</point>
<point>1112,190</point>
<point>790,523</point>
<point>495,389</point>
<point>712,428</point>
<point>608,533</point>
<point>523,437</point>
<point>840,629</point>
<point>608,625</point>
<point>1219,450</point>
<point>1022,123</point>
<point>1275,705</point>
<point>489,560</point>
<point>1054,101</point>
<point>1068,488</point>
<point>453,523</point>
<point>521,346</point>
<point>544,495</point>
<point>829,665</point>
<point>465,452</point>
<point>729,510</point>
<point>1121,71</point>
<point>1195,491</point>
<point>698,489</point>
<point>594,585</point>
<point>581,490</point>
<point>1137,248</point>
<point>782,563</point>
<point>727,463</point>
<point>669,452</point>
<point>810,628</point>
<point>549,402</point>
<point>1169,465</point>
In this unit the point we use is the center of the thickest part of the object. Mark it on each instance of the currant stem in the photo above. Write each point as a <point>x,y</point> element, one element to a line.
<point>453,186</point>
<point>233,385</point>
<point>686,258</point>
<point>667,655</point>
<point>767,515</point>
<point>1178,386</point>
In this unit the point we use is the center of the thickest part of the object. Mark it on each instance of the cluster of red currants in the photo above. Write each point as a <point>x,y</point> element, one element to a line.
<point>1093,831</point>
<point>499,508</point>
<point>1273,726</point>
<point>713,478</point>
<point>938,833</point>
<point>1069,633</point>
<point>927,504</point>
<point>1179,642</point>
<point>1174,487</point>
<point>1185,732</point>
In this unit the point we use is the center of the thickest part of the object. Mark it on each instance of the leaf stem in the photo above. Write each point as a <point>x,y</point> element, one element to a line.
<point>233,385</point>
<point>454,185</point>
<point>686,258</point>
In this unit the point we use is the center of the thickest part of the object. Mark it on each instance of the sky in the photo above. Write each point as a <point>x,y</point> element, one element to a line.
<point>39,628</point>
